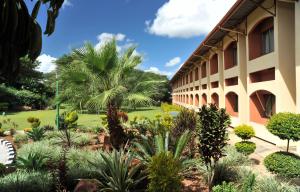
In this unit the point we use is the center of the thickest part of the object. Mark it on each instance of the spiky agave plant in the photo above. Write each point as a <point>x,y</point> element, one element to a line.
<point>32,161</point>
<point>118,172</point>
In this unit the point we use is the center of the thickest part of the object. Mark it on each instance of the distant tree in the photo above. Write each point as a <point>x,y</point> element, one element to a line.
<point>20,33</point>
<point>286,126</point>
<point>106,79</point>
<point>213,137</point>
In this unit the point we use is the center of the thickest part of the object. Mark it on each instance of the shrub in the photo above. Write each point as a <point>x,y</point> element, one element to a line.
<point>2,132</point>
<point>270,184</point>
<point>165,107</point>
<point>32,161</point>
<point>245,132</point>
<point>4,106</point>
<point>163,173</point>
<point>118,173</point>
<point>286,126</point>
<point>36,134</point>
<point>27,182</point>
<point>81,139</point>
<point>284,164</point>
<point>48,128</point>
<point>225,187</point>
<point>213,136</point>
<point>12,131</point>
<point>245,147</point>
<point>21,138</point>
<point>35,122</point>
<point>2,169</point>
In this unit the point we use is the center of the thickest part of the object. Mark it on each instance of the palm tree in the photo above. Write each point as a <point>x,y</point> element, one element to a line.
<point>104,79</point>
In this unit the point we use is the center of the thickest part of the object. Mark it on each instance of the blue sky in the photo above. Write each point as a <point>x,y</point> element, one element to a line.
<point>165,32</point>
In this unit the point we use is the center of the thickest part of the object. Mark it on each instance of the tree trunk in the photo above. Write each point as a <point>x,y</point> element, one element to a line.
<point>288,146</point>
<point>117,134</point>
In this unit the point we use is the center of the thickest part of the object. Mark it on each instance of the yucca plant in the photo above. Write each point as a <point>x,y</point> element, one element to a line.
<point>36,134</point>
<point>118,173</point>
<point>32,162</point>
<point>148,147</point>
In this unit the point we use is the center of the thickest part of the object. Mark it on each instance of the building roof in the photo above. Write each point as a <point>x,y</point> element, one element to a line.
<point>235,16</point>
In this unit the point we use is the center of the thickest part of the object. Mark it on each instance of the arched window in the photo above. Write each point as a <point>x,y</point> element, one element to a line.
<point>197,100</point>
<point>191,100</point>
<point>214,64</point>
<point>232,103</point>
<point>230,55</point>
<point>204,99</point>
<point>261,38</point>
<point>215,99</point>
<point>262,106</point>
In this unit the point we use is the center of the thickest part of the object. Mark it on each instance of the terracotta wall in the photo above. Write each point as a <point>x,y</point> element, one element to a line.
<point>214,64</point>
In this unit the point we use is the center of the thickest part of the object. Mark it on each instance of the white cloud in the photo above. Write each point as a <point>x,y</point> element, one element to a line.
<point>46,63</point>
<point>103,38</point>
<point>158,71</point>
<point>188,18</point>
<point>67,3</point>
<point>173,62</point>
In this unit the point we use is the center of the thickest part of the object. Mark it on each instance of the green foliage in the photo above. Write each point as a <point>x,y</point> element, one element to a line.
<point>164,173</point>
<point>21,138</point>
<point>245,132</point>
<point>213,133</point>
<point>68,120</point>
<point>285,126</point>
<point>225,187</point>
<point>34,122</point>
<point>33,162</point>
<point>227,169</point>
<point>245,147</point>
<point>213,137</point>
<point>8,124</point>
<point>2,132</point>
<point>118,173</point>
<point>48,128</point>
<point>2,169</point>
<point>249,183</point>
<point>27,181</point>
<point>186,120</point>
<point>4,106</point>
<point>36,134</point>
<point>283,164</point>
<point>270,184</point>
<point>166,107</point>
<point>148,147</point>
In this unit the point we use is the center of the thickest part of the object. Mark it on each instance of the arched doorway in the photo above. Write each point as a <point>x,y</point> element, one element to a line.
<point>204,99</point>
<point>232,104</point>
<point>262,106</point>
<point>215,99</point>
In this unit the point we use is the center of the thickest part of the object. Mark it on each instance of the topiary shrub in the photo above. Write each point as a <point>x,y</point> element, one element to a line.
<point>225,187</point>
<point>245,147</point>
<point>283,164</point>
<point>245,132</point>
<point>286,126</point>
<point>34,122</point>
<point>163,173</point>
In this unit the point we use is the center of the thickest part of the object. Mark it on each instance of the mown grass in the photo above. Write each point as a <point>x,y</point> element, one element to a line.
<point>47,117</point>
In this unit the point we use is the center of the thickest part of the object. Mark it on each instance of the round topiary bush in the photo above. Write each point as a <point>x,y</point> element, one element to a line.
<point>245,147</point>
<point>283,164</point>
<point>286,126</point>
<point>245,132</point>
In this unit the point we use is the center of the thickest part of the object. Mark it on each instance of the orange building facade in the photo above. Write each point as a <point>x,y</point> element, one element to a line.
<point>248,64</point>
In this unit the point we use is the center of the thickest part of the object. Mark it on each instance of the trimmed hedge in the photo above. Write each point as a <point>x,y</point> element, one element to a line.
<point>245,132</point>
<point>283,164</point>
<point>245,147</point>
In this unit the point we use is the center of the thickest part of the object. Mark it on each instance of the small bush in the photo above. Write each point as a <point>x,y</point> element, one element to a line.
<point>21,138</point>
<point>48,128</point>
<point>35,122</point>
<point>2,132</point>
<point>165,107</point>
<point>81,139</point>
<point>245,147</point>
<point>36,134</point>
<point>163,173</point>
<point>27,182</point>
<point>225,187</point>
<point>2,169</point>
<point>270,184</point>
<point>283,164</point>
<point>245,132</point>
<point>32,161</point>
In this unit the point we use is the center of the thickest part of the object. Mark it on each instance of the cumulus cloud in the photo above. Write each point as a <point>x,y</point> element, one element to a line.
<point>46,63</point>
<point>67,3</point>
<point>158,71</point>
<point>103,38</point>
<point>187,18</point>
<point>173,62</point>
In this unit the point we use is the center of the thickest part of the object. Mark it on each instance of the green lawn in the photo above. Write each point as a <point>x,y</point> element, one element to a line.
<point>47,117</point>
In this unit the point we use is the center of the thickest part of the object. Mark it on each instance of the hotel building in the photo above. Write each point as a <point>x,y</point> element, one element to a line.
<point>248,64</point>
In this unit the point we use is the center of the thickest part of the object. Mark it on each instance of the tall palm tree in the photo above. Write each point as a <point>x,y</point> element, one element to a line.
<point>104,79</point>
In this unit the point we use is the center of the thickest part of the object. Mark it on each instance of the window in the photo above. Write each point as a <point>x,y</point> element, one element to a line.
<point>268,41</point>
<point>234,55</point>
<point>196,74</point>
